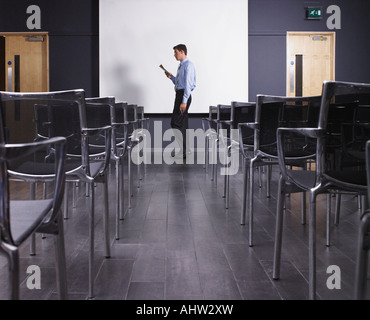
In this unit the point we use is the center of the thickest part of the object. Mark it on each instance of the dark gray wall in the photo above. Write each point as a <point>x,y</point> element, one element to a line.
<point>73,28</point>
<point>269,20</point>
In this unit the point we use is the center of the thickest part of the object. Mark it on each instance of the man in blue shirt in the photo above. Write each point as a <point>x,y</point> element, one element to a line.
<point>185,82</point>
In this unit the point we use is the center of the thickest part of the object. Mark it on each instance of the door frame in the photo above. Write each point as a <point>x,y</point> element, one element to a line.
<point>307,33</point>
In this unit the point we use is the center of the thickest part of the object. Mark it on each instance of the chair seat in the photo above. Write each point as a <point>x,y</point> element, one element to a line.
<point>38,168</point>
<point>95,168</point>
<point>27,215</point>
<point>357,177</point>
<point>306,179</point>
<point>303,178</point>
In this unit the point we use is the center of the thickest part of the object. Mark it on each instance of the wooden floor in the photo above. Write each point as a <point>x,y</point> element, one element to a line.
<point>178,242</point>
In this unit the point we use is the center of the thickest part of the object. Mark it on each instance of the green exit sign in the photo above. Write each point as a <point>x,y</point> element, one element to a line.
<point>313,13</point>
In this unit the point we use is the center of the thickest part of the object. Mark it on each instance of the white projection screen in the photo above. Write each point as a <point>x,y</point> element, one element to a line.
<point>136,36</point>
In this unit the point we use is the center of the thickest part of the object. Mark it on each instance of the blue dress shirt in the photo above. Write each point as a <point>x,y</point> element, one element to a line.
<point>185,78</point>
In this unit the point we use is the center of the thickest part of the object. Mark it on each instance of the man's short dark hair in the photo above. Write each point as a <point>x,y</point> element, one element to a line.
<point>181,47</point>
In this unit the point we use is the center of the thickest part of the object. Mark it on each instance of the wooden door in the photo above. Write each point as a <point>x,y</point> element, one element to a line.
<point>26,70</point>
<point>310,61</point>
<point>26,62</point>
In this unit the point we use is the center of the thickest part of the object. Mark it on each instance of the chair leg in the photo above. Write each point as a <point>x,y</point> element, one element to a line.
<point>225,182</point>
<point>338,198</point>
<point>259,177</point>
<point>33,236</point>
<point>206,155</point>
<point>227,177</point>
<point>129,166</point>
<point>142,162</point>
<point>214,160</point>
<point>122,190</point>
<point>363,247</point>
<point>279,228</point>
<point>12,255</point>
<point>226,152</point>
<point>118,197</point>
<point>227,202</point>
<point>61,269</point>
<point>92,241</point>
<point>234,164</point>
<point>363,204</point>
<point>303,204</point>
<point>33,245</point>
<point>312,247</point>
<point>328,218</point>
<point>74,194</point>
<point>139,178</point>
<point>211,158</point>
<point>359,203</point>
<point>245,191</point>
<point>303,208</point>
<point>65,201</point>
<point>268,181</point>
<point>205,166</point>
<point>106,217</point>
<point>87,194</point>
<point>250,200</point>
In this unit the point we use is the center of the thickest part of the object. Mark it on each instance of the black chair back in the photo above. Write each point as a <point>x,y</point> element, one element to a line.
<point>273,112</point>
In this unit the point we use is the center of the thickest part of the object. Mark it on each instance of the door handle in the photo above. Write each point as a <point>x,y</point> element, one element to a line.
<point>10,78</point>
<point>291,76</point>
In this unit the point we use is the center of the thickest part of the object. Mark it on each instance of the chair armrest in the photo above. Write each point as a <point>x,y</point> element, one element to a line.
<point>251,125</point>
<point>89,132</point>
<point>314,133</point>
<point>15,151</point>
<point>94,131</point>
<point>307,132</point>
<point>132,122</point>
<point>117,125</point>
<point>18,150</point>
<point>121,144</point>
<point>227,122</point>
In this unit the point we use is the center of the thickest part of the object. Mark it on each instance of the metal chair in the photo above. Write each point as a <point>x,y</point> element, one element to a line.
<point>102,112</point>
<point>241,112</point>
<point>20,219</point>
<point>142,128</point>
<point>128,113</point>
<point>271,113</point>
<point>363,242</point>
<point>328,175</point>
<point>223,114</point>
<point>67,117</point>
<point>209,126</point>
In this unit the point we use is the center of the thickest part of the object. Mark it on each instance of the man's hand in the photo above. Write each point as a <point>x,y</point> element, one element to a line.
<point>183,107</point>
<point>169,75</point>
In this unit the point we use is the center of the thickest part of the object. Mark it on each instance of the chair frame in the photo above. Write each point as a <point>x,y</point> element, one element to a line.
<point>363,241</point>
<point>260,158</point>
<point>119,149</point>
<point>233,142</point>
<point>50,223</point>
<point>209,126</point>
<point>143,124</point>
<point>82,172</point>
<point>323,183</point>
<point>131,141</point>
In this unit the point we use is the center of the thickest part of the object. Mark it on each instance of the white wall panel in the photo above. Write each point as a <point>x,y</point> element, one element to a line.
<point>136,36</point>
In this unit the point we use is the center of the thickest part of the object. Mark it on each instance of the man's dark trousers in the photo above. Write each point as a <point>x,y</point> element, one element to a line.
<point>180,121</point>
